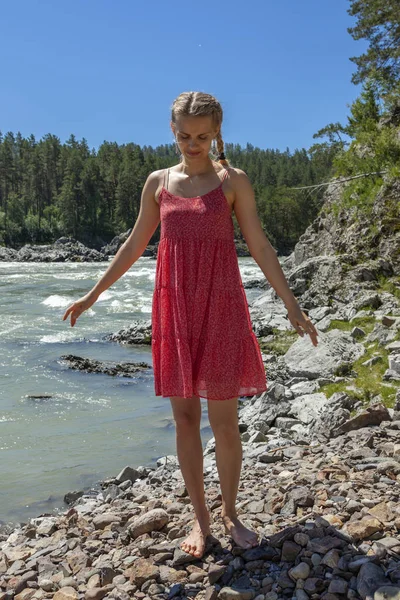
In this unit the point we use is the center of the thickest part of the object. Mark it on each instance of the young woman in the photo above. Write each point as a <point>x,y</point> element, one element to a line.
<point>203,345</point>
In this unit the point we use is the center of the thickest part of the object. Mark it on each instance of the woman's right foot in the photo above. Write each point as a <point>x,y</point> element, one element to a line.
<point>195,543</point>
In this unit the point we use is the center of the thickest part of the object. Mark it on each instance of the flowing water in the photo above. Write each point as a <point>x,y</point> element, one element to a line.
<point>87,426</point>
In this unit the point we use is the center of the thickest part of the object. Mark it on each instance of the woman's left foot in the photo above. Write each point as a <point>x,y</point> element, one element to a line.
<point>243,537</point>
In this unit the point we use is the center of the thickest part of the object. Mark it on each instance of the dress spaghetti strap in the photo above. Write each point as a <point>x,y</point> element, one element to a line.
<point>225,174</point>
<point>166,176</point>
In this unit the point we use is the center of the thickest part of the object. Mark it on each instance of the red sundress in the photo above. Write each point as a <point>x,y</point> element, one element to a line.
<point>203,343</point>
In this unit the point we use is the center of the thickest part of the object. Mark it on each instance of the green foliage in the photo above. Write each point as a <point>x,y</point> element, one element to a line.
<point>49,189</point>
<point>13,234</point>
<point>373,123</point>
<point>38,230</point>
<point>364,112</point>
<point>391,285</point>
<point>279,342</point>
<point>374,149</point>
<point>372,153</point>
<point>332,131</point>
<point>15,209</point>
<point>378,22</point>
<point>365,378</point>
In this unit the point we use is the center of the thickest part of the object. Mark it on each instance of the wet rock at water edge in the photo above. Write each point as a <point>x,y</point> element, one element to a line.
<point>64,249</point>
<point>90,365</point>
<point>139,332</point>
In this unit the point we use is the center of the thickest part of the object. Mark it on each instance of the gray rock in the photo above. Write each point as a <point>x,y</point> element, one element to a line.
<point>300,571</point>
<point>227,593</point>
<point>372,415</point>
<point>139,332</point>
<point>63,249</point>
<point>90,365</point>
<point>150,521</point>
<point>128,474</point>
<point>101,521</point>
<point>387,592</point>
<point>337,350</point>
<point>369,579</point>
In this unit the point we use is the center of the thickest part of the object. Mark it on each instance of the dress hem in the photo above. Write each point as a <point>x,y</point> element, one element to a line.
<point>259,391</point>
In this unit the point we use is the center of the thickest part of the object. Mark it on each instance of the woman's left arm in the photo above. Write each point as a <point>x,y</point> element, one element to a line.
<point>264,253</point>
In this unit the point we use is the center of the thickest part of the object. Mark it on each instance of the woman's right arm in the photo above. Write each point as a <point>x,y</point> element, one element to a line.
<point>132,249</point>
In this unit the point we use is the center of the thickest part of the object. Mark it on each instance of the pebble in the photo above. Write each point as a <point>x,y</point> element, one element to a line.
<point>129,547</point>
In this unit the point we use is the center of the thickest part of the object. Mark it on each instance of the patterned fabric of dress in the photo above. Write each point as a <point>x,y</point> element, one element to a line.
<point>203,343</point>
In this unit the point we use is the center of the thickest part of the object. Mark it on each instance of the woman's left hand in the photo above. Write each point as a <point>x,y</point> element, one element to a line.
<point>302,323</point>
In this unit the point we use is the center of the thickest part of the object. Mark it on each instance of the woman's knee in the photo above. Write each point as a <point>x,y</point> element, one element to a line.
<point>223,417</point>
<point>186,411</point>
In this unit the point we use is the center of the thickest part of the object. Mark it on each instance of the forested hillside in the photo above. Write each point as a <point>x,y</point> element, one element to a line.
<point>49,189</point>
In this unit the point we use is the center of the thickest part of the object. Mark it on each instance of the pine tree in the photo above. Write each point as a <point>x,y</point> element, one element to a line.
<point>378,22</point>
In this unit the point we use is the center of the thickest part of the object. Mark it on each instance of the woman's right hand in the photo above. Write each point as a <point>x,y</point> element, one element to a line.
<point>78,307</point>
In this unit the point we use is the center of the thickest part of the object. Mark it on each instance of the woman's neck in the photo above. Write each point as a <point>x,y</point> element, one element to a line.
<point>194,169</point>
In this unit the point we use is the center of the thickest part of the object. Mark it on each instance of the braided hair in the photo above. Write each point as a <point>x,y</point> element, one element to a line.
<point>202,104</point>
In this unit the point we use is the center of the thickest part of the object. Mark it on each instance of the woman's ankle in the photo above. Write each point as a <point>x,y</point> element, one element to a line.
<point>204,517</point>
<point>232,514</point>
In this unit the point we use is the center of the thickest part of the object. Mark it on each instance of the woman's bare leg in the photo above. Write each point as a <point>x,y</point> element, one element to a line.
<point>187,415</point>
<point>223,417</point>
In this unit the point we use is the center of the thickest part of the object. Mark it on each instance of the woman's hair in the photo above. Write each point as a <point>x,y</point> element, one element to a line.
<point>201,104</point>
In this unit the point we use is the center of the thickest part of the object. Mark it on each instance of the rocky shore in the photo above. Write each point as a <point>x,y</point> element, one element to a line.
<point>65,249</point>
<point>68,249</point>
<point>320,480</point>
<point>326,511</point>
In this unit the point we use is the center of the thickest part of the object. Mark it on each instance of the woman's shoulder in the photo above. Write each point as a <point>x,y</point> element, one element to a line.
<point>235,171</point>
<point>239,184</point>
<point>156,178</point>
<point>156,174</point>
<point>235,174</point>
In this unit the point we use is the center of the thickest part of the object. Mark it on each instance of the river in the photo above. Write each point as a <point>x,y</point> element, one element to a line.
<point>91,425</point>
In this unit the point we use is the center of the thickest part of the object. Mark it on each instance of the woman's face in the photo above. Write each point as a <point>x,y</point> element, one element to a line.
<point>194,135</point>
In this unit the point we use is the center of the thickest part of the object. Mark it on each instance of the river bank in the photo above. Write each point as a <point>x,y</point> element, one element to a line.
<point>321,457</point>
<point>323,529</point>
<point>68,249</point>
<point>53,419</point>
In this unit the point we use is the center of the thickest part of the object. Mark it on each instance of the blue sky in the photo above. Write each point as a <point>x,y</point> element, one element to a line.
<point>110,70</point>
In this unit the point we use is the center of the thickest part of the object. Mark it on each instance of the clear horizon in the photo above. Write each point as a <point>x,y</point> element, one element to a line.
<point>110,72</point>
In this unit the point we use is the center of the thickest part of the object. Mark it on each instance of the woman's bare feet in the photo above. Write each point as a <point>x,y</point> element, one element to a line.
<point>243,537</point>
<point>195,543</point>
